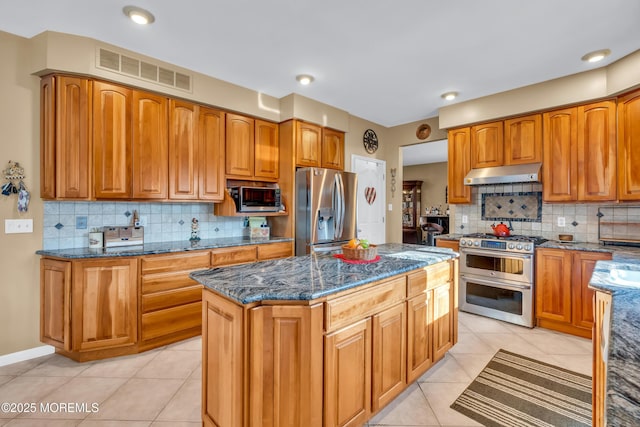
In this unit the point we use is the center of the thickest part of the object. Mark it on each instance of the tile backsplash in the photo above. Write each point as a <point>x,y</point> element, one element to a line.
<point>63,221</point>
<point>581,219</point>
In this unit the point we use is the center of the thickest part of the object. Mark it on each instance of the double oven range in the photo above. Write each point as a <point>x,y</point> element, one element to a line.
<point>497,277</point>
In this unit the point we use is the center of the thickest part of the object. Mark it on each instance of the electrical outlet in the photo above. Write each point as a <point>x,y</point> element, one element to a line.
<point>465,219</point>
<point>143,220</point>
<point>14,226</point>
<point>561,221</point>
<point>390,207</point>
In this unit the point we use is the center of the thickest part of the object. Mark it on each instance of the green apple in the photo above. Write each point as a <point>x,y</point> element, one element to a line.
<point>364,243</point>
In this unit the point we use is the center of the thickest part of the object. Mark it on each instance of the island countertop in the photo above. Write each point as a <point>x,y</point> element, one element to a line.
<point>314,276</point>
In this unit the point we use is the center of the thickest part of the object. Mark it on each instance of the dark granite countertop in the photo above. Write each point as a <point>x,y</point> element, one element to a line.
<point>157,248</point>
<point>621,280</point>
<point>314,276</point>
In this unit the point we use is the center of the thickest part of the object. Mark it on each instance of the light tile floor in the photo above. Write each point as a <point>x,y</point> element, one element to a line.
<point>162,387</point>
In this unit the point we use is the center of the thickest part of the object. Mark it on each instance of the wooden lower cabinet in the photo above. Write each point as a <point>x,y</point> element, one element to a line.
<point>451,244</point>
<point>347,387</point>
<point>104,304</point>
<point>55,292</point>
<point>564,301</point>
<point>389,355</point>
<point>335,361</point>
<point>602,322</point>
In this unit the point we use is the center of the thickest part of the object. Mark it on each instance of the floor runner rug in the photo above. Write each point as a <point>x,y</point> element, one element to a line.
<point>518,391</point>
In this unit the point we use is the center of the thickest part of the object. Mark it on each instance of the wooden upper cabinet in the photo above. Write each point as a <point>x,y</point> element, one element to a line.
<point>150,146</point>
<point>487,145</point>
<point>523,140</point>
<point>596,166</point>
<point>112,141</point>
<point>559,166</point>
<point>65,138</point>
<point>332,149</point>
<point>629,146</point>
<point>183,150</point>
<point>308,141</point>
<point>211,131</point>
<point>239,146</point>
<point>459,165</point>
<point>266,151</point>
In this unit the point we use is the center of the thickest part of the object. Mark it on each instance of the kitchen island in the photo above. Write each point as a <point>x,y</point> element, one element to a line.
<point>314,341</point>
<point>616,344</point>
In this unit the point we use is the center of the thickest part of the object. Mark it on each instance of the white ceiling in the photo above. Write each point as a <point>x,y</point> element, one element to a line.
<point>381,60</point>
<point>427,152</point>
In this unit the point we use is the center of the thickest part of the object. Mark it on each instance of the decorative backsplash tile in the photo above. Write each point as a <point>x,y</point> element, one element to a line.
<point>164,221</point>
<point>522,206</point>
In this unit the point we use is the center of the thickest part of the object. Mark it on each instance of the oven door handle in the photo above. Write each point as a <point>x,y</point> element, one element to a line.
<point>493,284</point>
<point>495,254</point>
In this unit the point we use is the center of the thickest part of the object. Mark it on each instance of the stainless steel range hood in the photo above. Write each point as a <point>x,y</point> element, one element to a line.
<point>504,174</point>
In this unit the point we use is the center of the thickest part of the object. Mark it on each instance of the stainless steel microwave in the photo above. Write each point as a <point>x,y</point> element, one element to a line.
<point>256,199</point>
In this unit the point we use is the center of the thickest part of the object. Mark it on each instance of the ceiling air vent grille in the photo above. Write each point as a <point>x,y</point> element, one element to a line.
<point>133,67</point>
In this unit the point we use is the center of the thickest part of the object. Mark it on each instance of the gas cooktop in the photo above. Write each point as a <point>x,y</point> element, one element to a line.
<point>514,243</point>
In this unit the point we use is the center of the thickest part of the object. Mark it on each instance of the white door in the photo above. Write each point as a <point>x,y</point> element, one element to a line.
<point>371,198</point>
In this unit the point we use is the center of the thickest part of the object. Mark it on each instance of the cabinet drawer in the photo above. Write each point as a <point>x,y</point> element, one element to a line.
<point>170,263</point>
<point>275,250</point>
<point>173,298</point>
<point>416,282</point>
<point>166,281</point>
<point>438,274</point>
<point>231,256</point>
<point>170,320</point>
<point>358,305</point>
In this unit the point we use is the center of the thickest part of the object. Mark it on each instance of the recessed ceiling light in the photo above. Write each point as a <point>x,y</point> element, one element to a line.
<point>596,55</point>
<point>138,15</point>
<point>449,96</point>
<point>304,79</point>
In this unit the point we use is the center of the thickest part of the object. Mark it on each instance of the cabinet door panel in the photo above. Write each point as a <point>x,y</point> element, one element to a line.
<point>443,320</point>
<point>73,138</point>
<point>629,147</point>
<point>347,374</point>
<point>523,140</point>
<point>597,151</point>
<point>112,141</point>
<point>239,146</point>
<point>286,366</point>
<point>308,140</point>
<point>48,137</point>
<point>559,167</point>
<point>223,360</point>
<point>211,131</point>
<point>332,149</point>
<point>419,335</point>
<point>150,146</point>
<point>459,149</point>
<point>389,357</point>
<point>487,145</point>
<point>183,150</point>
<point>55,290</point>
<point>582,299</point>
<point>104,304</point>
<point>553,284</point>
<point>266,151</point>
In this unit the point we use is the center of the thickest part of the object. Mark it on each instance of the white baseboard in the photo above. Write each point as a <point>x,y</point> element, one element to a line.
<point>21,356</point>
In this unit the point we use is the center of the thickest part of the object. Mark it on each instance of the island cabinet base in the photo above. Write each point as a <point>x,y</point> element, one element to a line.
<point>334,361</point>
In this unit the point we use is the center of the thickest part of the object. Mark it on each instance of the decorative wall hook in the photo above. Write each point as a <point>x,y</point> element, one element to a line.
<point>15,174</point>
<point>393,181</point>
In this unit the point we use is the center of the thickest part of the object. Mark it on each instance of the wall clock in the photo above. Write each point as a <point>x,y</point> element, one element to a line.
<point>370,141</point>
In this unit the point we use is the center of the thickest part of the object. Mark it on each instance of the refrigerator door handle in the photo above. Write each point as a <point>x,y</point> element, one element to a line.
<point>340,206</point>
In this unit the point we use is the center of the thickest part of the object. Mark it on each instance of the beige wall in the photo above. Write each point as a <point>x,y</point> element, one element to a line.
<point>19,142</point>
<point>434,183</point>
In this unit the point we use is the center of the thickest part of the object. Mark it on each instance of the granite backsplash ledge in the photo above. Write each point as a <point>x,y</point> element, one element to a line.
<point>67,224</point>
<point>581,219</point>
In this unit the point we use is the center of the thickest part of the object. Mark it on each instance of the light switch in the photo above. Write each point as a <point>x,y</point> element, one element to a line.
<point>465,219</point>
<point>390,207</point>
<point>13,226</point>
<point>561,222</point>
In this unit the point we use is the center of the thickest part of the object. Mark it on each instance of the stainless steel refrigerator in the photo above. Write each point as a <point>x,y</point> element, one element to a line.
<point>325,209</point>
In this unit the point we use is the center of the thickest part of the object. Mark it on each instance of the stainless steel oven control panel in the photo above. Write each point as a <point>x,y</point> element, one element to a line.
<point>497,245</point>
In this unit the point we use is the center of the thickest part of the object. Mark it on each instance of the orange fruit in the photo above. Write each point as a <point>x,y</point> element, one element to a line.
<point>353,243</point>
